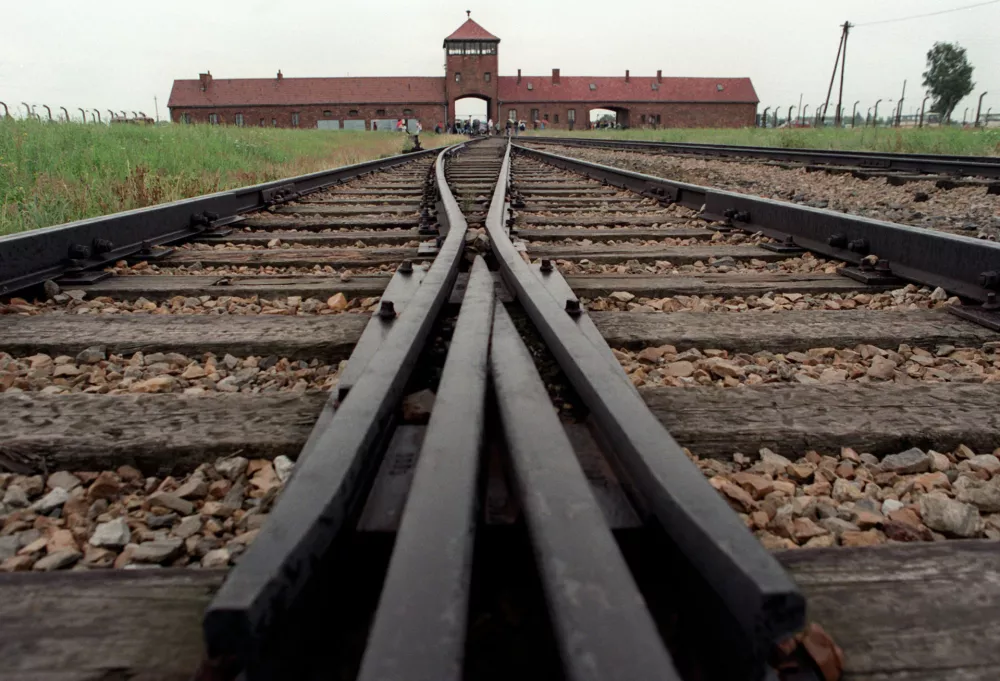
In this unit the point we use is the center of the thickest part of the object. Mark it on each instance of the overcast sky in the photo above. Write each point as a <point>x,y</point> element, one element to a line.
<point>119,54</point>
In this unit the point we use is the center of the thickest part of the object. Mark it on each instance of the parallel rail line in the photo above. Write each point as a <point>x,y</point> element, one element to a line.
<point>898,167</point>
<point>545,517</point>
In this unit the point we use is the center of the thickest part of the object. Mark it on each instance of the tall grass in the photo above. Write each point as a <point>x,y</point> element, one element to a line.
<point>55,173</point>
<point>905,140</point>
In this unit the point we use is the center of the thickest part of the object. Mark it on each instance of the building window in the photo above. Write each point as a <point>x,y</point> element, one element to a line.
<point>593,86</point>
<point>472,48</point>
<point>352,112</point>
<point>719,87</point>
<point>327,113</point>
<point>454,48</point>
<point>655,86</point>
<point>546,117</point>
<point>213,119</point>
<point>186,118</point>
<point>487,76</point>
<point>555,118</point>
<point>239,120</point>
<point>380,112</point>
<point>295,119</point>
<point>274,122</point>
<point>657,119</point>
<point>571,115</point>
<point>642,118</point>
<point>488,48</point>
<point>530,86</point>
<point>458,77</point>
<point>512,115</point>
<point>407,112</point>
<point>534,115</point>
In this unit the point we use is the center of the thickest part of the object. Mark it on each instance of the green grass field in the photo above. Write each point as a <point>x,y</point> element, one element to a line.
<point>56,173</point>
<point>905,140</point>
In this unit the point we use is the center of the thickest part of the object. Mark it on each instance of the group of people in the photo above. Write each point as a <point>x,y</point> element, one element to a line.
<point>477,127</point>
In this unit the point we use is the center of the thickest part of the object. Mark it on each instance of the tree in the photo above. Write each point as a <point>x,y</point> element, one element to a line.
<point>948,77</point>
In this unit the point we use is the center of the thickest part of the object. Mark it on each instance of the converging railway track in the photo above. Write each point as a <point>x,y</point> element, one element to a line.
<point>493,412</point>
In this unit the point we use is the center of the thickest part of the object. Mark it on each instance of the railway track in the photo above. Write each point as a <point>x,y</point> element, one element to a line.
<point>946,171</point>
<point>548,419</point>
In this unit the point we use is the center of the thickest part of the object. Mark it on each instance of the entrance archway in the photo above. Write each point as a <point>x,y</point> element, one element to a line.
<point>471,110</point>
<point>607,117</point>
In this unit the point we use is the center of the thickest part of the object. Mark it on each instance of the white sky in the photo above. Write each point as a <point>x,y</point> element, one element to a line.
<point>119,54</point>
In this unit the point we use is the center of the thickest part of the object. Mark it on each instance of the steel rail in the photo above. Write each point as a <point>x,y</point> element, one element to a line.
<point>758,594</point>
<point>335,468</point>
<point>30,258</point>
<point>982,166</point>
<point>602,625</point>
<point>964,266</point>
<point>420,623</point>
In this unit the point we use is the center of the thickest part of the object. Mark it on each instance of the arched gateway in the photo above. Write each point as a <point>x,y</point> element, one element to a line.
<point>471,70</point>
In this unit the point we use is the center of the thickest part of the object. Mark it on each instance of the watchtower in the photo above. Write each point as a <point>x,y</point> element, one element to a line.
<point>471,67</point>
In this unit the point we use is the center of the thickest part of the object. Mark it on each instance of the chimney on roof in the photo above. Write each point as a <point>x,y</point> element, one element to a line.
<point>280,76</point>
<point>659,76</point>
<point>555,76</point>
<point>627,79</point>
<point>206,79</point>
<point>519,76</point>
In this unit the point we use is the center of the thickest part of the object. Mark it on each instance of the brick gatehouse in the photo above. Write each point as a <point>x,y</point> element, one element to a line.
<point>471,70</point>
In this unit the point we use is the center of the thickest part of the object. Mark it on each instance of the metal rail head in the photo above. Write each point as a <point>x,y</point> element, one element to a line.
<point>420,623</point>
<point>333,473</point>
<point>759,596</point>
<point>603,627</point>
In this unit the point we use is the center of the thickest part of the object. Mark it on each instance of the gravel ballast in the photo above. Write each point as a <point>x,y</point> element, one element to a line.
<point>665,366</point>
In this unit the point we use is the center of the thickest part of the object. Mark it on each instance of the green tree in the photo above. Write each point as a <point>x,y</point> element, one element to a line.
<point>948,77</point>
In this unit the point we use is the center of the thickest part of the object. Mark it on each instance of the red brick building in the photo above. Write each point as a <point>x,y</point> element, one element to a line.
<point>471,70</point>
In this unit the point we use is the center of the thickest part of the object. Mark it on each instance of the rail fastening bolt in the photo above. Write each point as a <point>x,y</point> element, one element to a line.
<point>990,279</point>
<point>387,310</point>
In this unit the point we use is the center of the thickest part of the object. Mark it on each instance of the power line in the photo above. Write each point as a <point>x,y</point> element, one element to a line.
<point>930,14</point>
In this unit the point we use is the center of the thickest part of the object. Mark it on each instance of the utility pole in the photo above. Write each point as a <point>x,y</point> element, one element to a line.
<point>800,105</point>
<point>839,61</point>
<point>899,111</point>
<point>156,104</point>
<point>843,63</point>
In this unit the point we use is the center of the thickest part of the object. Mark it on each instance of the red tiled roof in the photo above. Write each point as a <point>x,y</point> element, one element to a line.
<point>615,89</point>
<point>302,91</point>
<point>470,30</point>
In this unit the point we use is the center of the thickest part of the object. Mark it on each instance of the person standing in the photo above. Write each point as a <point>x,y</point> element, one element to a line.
<point>489,126</point>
